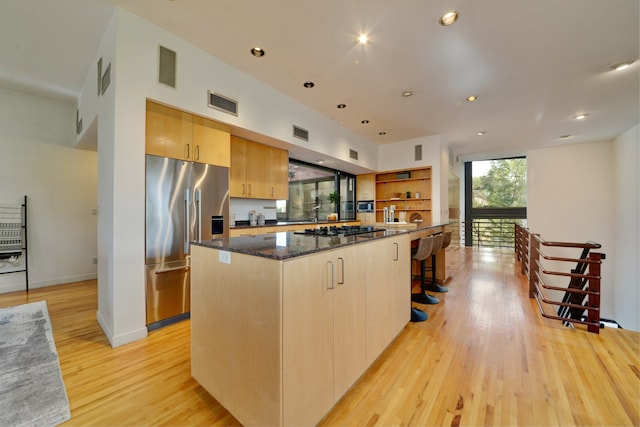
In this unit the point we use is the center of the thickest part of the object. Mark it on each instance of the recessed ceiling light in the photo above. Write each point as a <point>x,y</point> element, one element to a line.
<point>580,116</point>
<point>309,84</point>
<point>565,136</point>
<point>449,18</point>
<point>472,98</point>
<point>363,39</point>
<point>341,106</point>
<point>320,161</point>
<point>364,122</point>
<point>257,52</point>
<point>481,133</point>
<point>382,133</point>
<point>621,66</point>
<point>406,93</point>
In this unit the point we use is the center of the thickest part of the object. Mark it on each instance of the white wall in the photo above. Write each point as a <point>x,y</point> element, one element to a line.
<point>570,198</point>
<point>626,217</point>
<point>37,159</point>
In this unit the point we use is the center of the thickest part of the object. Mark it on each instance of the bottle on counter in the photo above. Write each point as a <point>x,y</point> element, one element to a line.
<point>253,218</point>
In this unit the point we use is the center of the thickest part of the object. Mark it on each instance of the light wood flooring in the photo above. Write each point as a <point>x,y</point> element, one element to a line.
<point>484,357</point>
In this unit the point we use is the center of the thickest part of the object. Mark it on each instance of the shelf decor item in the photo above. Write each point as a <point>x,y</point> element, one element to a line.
<point>408,194</point>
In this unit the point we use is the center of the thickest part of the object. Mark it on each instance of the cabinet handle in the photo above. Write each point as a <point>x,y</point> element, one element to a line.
<point>244,188</point>
<point>249,190</point>
<point>272,191</point>
<point>330,264</point>
<point>188,151</point>
<point>341,280</point>
<point>395,255</point>
<point>197,152</point>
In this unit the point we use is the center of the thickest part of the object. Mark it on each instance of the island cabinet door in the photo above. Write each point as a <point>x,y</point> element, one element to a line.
<point>388,292</point>
<point>307,321</point>
<point>349,333</point>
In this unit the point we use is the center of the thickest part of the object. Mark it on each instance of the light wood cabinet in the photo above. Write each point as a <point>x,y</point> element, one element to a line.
<point>279,342</point>
<point>278,174</point>
<point>180,135</point>
<point>388,291</point>
<point>252,173</point>
<point>168,132</point>
<point>211,142</point>
<point>366,186</point>
<point>400,189</point>
<point>324,330</point>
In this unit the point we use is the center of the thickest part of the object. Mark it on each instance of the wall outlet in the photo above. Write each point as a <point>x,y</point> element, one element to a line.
<point>224,257</point>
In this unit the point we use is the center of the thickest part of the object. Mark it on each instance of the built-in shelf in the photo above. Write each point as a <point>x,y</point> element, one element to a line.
<point>393,187</point>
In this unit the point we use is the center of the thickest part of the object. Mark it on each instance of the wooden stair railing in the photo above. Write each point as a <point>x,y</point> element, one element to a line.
<point>583,292</point>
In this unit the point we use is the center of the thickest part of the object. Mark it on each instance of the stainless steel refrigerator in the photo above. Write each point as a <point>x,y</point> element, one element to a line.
<point>185,202</point>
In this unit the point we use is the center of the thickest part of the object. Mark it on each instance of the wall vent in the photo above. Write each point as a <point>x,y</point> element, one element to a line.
<point>167,67</point>
<point>78,122</point>
<point>106,78</point>
<point>223,103</point>
<point>300,133</point>
<point>99,76</point>
<point>353,154</point>
<point>417,152</point>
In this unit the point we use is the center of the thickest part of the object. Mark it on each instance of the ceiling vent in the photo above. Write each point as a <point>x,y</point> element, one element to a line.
<point>167,67</point>
<point>223,103</point>
<point>353,154</point>
<point>300,133</point>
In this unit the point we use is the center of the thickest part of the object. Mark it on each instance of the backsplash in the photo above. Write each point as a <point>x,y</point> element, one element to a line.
<point>242,207</point>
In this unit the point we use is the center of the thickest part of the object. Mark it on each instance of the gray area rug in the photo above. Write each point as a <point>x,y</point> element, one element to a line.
<point>32,392</point>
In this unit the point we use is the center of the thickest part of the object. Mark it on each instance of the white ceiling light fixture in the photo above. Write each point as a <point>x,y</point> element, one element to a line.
<point>581,116</point>
<point>565,136</point>
<point>309,84</point>
<point>472,98</point>
<point>481,133</point>
<point>363,38</point>
<point>449,18</point>
<point>364,122</point>
<point>341,106</point>
<point>621,66</point>
<point>406,93</point>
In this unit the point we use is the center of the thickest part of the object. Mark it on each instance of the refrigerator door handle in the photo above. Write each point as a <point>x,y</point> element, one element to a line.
<point>198,216</point>
<point>187,220</point>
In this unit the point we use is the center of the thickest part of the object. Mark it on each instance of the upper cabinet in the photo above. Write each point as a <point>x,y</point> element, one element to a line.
<point>258,171</point>
<point>409,190</point>
<point>366,186</point>
<point>211,142</point>
<point>180,135</point>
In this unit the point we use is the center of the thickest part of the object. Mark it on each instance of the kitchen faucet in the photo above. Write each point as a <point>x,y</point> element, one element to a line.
<point>314,215</point>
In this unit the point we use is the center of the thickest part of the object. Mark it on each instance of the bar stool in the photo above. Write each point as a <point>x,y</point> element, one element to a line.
<point>440,242</point>
<point>425,248</point>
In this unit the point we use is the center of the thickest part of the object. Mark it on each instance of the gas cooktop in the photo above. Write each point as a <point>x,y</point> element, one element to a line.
<point>344,230</point>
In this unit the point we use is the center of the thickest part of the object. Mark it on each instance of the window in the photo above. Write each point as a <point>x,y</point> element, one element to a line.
<point>309,189</point>
<point>495,199</point>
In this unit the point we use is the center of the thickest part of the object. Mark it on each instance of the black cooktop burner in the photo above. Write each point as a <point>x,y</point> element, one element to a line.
<point>344,230</point>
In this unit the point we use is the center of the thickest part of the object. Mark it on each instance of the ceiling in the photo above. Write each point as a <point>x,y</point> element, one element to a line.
<point>533,64</point>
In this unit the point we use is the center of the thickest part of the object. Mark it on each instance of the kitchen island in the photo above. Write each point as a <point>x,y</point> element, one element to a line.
<point>284,324</point>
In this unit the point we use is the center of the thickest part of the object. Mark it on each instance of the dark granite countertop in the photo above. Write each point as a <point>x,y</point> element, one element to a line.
<point>285,245</point>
